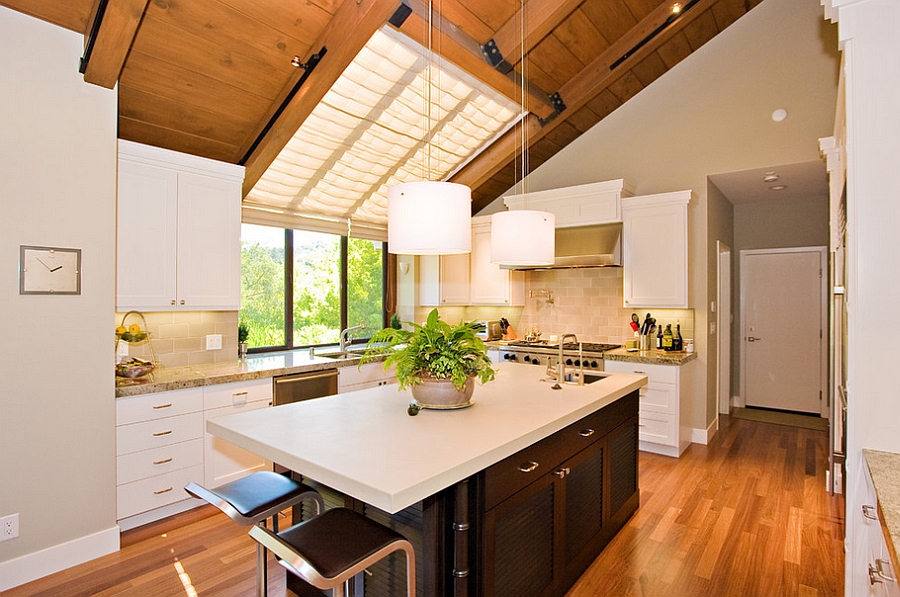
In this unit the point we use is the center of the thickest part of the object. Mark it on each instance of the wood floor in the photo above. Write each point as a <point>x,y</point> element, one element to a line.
<point>746,516</point>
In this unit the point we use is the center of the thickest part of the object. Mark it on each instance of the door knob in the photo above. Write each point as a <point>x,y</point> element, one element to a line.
<point>752,339</point>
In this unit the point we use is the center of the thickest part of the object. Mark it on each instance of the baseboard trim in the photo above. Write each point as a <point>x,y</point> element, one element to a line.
<point>59,557</point>
<point>703,436</point>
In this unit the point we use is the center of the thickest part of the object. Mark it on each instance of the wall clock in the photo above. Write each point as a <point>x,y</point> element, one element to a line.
<point>49,270</point>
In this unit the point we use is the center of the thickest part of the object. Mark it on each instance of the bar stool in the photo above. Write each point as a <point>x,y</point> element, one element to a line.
<point>329,550</point>
<point>251,500</point>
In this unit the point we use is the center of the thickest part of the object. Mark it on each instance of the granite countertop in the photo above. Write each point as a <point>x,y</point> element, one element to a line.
<point>254,367</point>
<point>651,357</point>
<point>364,443</point>
<point>885,470</point>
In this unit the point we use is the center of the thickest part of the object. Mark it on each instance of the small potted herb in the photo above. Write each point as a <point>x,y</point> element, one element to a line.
<point>243,335</point>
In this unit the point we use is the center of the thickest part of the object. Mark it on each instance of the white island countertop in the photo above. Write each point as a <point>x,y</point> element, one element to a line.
<point>364,444</point>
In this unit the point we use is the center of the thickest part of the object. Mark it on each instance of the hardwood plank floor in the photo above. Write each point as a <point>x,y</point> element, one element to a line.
<point>746,516</point>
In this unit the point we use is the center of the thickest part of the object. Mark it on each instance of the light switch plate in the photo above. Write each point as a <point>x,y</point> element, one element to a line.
<point>214,342</point>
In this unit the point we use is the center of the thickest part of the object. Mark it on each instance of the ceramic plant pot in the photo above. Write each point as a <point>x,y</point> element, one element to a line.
<point>441,394</point>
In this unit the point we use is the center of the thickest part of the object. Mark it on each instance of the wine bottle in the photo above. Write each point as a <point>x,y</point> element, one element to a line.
<point>667,338</point>
<point>677,340</point>
<point>659,337</point>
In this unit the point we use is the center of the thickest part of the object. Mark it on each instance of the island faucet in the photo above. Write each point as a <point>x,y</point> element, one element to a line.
<point>345,335</point>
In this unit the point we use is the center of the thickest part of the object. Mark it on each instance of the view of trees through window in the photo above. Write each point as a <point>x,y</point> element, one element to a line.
<point>317,297</point>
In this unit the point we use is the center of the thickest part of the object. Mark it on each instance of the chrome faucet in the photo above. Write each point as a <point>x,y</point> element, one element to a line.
<point>345,335</point>
<point>560,366</point>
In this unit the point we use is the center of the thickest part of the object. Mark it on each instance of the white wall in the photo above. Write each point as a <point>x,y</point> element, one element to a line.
<point>711,114</point>
<point>57,395</point>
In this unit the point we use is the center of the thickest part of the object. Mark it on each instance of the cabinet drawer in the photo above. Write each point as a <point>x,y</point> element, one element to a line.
<point>161,432</point>
<point>660,398</point>
<point>145,407</point>
<point>370,372</point>
<point>155,492</point>
<point>158,461</point>
<point>237,393</point>
<point>657,428</point>
<point>654,373</point>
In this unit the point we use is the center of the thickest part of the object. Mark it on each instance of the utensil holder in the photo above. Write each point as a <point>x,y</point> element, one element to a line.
<point>645,343</point>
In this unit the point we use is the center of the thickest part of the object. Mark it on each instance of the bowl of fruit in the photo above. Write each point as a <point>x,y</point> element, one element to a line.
<point>132,367</point>
<point>132,333</point>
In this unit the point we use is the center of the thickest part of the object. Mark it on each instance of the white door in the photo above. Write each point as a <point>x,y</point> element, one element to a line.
<point>782,319</point>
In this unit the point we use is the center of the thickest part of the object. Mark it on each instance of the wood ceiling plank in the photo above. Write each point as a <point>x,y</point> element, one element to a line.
<point>110,45</point>
<point>625,87</point>
<point>160,41</point>
<point>73,15</point>
<point>494,13</point>
<point>701,29</point>
<point>581,37</point>
<point>138,105</point>
<point>346,34</point>
<point>235,32</point>
<point>555,59</point>
<point>189,88</point>
<point>302,21</point>
<point>649,69</point>
<point>642,8</point>
<point>674,50</point>
<point>462,17</point>
<point>603,104</point>
<point>611,18</point>
<point>142,132</point>
<point>727,12</point>
<point>541,18</point>
<point>538,77</point>
<point>582,119</point>
<point>456,46</point>
<point>496,156</point>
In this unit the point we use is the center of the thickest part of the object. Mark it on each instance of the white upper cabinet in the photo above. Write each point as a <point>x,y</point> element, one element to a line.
<point>655,250</point>
<point>594,203</point>
<point>489,283</point>
<point>443,280</point>
<point>179,228</point>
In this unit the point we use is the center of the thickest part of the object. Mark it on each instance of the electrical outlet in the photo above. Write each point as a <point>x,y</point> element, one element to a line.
<point>214,342</point>
<point>9,527</point>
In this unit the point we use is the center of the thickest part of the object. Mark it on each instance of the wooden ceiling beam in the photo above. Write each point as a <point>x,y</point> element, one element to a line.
<point>582,88</point>
<point>347,33</point>
<point>108,38</point>
<point>456,46</point>
<point>541,18</point>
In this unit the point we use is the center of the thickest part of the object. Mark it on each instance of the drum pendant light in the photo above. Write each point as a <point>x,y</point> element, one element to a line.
<point>429,217</point>
<point>523,237</point>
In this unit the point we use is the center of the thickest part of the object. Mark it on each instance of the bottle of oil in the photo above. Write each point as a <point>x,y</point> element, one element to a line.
<point>659,337</point>
<point>677,340</point>
<point>667,338</point>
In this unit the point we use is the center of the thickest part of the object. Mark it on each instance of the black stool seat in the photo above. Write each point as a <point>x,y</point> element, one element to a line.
<point>328,550</point>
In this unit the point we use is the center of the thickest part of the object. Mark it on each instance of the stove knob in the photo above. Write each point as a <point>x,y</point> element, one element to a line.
<point>513,357</point>
<point>593,364</point>
<point>577,362</point>
<point>535,361</point>
<point>527,359</point>
<point>568,361</point>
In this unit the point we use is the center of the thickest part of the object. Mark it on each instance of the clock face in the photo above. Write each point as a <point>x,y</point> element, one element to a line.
<point>49,270</point>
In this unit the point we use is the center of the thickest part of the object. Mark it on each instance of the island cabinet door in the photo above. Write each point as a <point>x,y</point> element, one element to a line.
<point>519,537</point>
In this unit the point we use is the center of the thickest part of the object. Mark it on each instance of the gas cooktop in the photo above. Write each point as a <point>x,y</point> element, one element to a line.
<point>588,347</point>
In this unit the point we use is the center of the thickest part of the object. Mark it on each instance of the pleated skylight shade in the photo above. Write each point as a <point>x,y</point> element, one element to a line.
<point>369,134</point>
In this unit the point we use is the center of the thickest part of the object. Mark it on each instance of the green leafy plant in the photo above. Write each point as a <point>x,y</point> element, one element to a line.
<point>243,332</point>
<point>395,322</point>
<point>434,350</point>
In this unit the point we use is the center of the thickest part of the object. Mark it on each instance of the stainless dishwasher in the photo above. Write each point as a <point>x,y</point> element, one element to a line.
<point>303,386</point>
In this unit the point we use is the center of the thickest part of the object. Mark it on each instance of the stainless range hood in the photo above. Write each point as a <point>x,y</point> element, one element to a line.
<point>595,245</point>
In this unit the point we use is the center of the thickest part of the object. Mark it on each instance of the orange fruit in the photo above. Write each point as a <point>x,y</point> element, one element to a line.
<point>134,328</point>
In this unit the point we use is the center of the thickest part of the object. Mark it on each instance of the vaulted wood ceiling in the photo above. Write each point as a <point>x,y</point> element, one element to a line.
<point>214,77</point>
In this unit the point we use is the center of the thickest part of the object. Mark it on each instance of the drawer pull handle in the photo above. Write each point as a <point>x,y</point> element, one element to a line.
<point>167,460</point>
<point>528,467</point>
<point>586,432</point>
<point>159,406</point>
<point>639,372</point>
<point>561,473</point>
<point>869,512</point>
<point>162,491</point>
<point>877,573</point>
<point>162,433</point>
<point>236,394</point>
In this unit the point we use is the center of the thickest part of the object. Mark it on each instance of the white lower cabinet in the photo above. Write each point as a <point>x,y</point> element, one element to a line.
<point>370,375</point>
<point>159,448</point>
<point>223,461</point>
<point>874,575</point>
<point>662,428</point>
<point>162,445</point>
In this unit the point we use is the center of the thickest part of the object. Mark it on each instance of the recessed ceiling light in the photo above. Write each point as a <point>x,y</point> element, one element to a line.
<point>676,8</point>
<point>778,187</point>
<point>779,114</point>
<point>770,177</point>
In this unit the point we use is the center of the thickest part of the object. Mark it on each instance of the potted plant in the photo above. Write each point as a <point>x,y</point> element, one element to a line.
<point>437,361</point>
<point>243,335</point>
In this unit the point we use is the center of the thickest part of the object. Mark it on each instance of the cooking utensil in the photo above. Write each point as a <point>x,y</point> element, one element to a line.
<point>635,320</point>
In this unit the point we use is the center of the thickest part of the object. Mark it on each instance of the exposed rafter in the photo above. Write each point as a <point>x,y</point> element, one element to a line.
<point>109,35</point>
<point>346,34</point>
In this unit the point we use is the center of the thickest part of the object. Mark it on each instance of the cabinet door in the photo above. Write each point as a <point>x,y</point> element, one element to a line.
<point>223,461</point>
<point>519,542</point>
<point>655,250</point>
<point>146,237</point>
<point>583,496</point>
<point>443,280</point>
<point>209,246</point>
<point>489,284</point>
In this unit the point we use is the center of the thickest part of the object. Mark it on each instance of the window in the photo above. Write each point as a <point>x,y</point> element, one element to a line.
<point>333,282</point>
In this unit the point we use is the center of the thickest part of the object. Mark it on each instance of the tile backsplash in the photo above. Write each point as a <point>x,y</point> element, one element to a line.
<point>179,337</point>
<point>586,302</point>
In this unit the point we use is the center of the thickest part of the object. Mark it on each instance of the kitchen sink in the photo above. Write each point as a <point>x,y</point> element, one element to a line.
<point>341,355</point>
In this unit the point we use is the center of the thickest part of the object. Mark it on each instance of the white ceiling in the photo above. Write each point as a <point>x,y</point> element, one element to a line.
<point>807,179</point>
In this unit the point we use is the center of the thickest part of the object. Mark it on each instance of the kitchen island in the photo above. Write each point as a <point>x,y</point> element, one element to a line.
<point>480,491</point>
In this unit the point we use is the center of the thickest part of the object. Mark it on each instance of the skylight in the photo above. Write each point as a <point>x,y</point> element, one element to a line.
<point>370,132</point>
